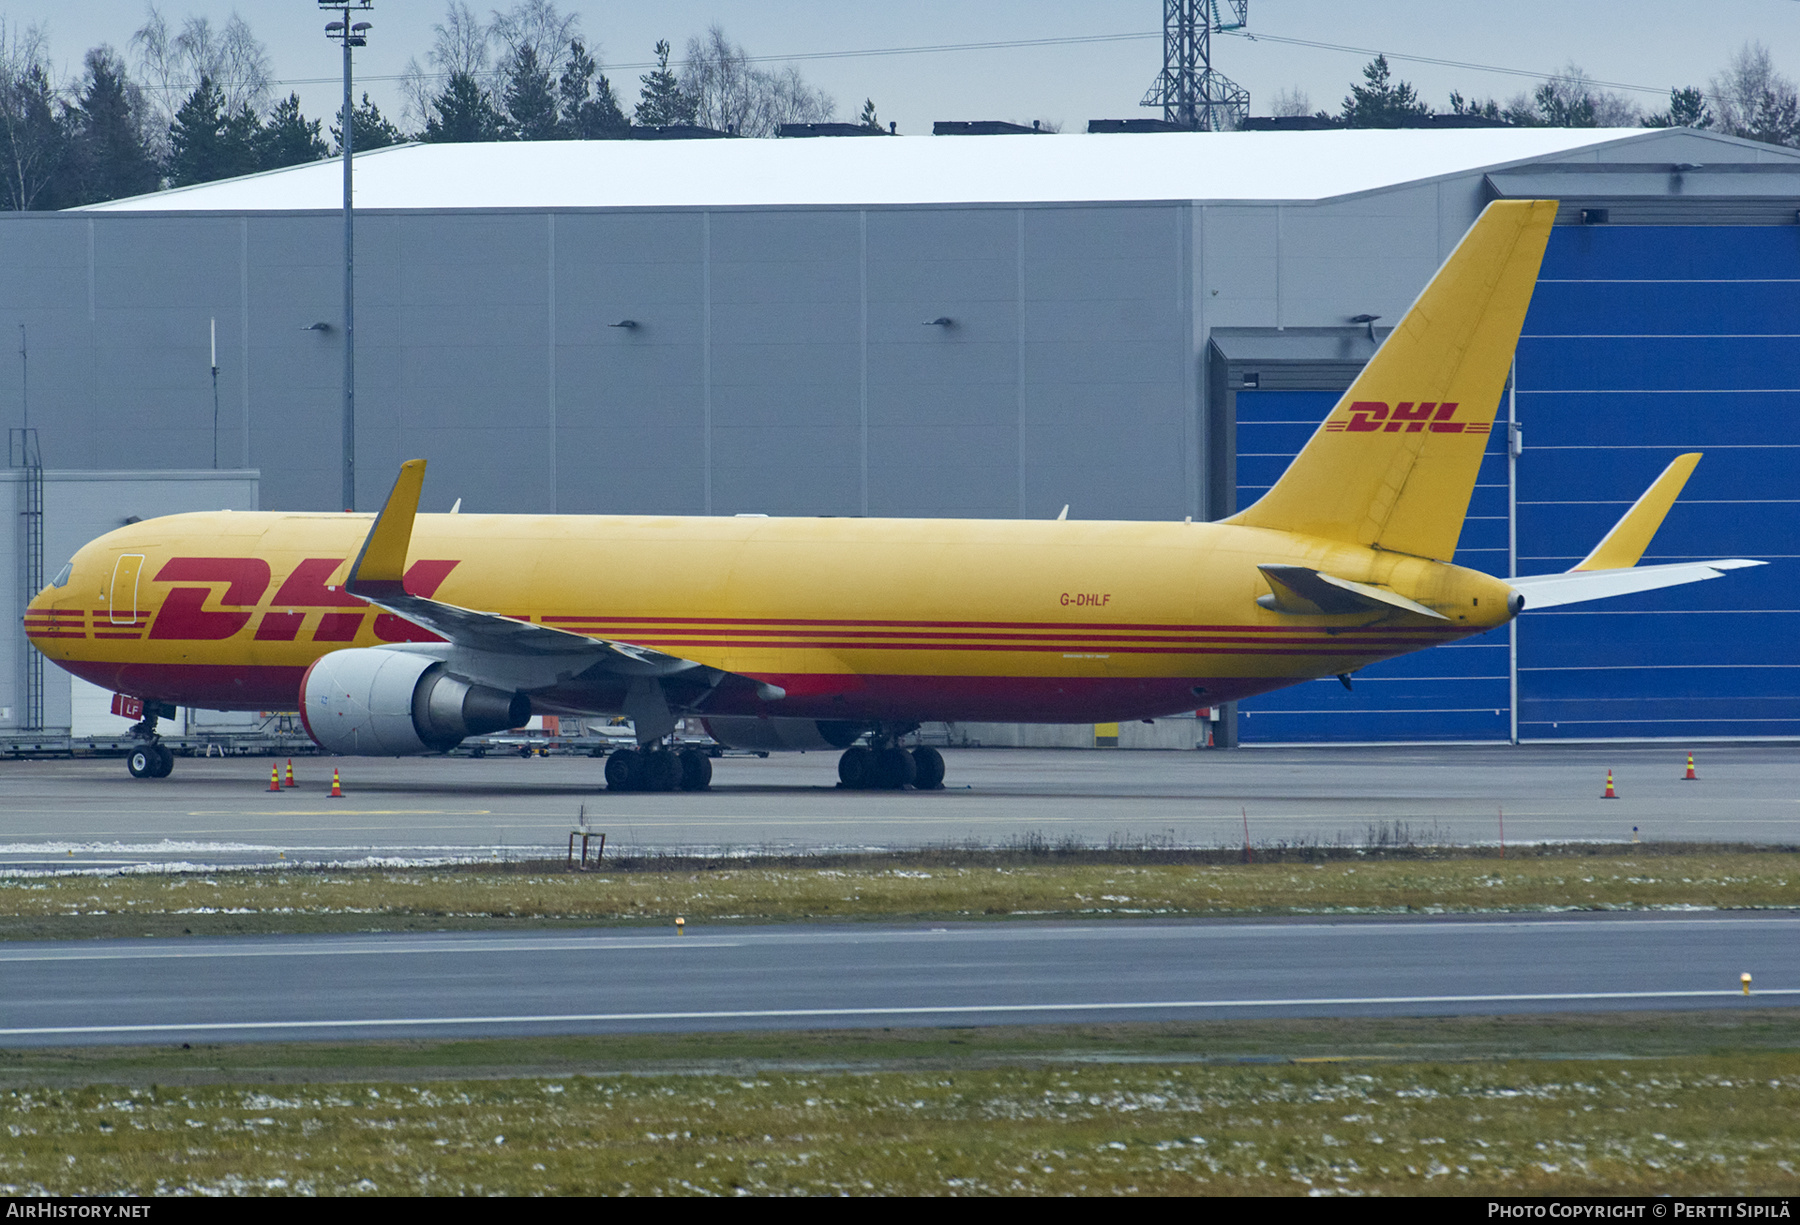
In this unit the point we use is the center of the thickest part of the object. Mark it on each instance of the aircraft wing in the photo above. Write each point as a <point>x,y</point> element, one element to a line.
<point>1612,569</point>
<point>376,578</point>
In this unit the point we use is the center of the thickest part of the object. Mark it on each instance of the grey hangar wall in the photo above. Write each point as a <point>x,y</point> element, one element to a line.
<point>782,360</point>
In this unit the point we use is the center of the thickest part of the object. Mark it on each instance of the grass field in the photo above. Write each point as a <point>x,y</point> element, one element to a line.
<point>1618,1104</point>
<point>1673,1103</point>
<point>935,885</point>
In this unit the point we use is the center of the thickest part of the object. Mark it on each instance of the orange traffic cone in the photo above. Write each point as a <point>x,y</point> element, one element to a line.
<point>1610,793</point>
<point>1690,776</point>
<point>337,790</point>
<point>290,774</point>
<point>274,777</point>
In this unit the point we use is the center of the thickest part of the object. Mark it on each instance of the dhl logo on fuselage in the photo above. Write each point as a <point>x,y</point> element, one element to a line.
<point>183,615</point>
<point>1368,416</point>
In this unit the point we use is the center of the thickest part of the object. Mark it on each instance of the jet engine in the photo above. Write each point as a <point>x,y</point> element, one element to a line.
<point>370,702</point>
<point>782,735</point>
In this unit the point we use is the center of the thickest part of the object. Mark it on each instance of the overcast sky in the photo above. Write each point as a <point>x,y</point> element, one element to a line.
<point>1651,43</point>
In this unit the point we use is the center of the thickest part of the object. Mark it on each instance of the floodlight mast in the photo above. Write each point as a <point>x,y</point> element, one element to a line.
<point>350,35</point>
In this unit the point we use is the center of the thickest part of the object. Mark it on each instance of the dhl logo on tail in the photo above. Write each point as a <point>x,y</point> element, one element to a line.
<point>1368,416</point>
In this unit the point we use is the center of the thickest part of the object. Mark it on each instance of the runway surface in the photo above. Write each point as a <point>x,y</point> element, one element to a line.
<point>220,812</point>
<point>166,991</point>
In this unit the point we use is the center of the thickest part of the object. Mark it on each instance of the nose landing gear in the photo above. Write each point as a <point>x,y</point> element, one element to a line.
<point>152,759</point>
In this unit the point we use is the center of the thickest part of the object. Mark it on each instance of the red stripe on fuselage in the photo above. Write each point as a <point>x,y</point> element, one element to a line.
<point>1044,626</point>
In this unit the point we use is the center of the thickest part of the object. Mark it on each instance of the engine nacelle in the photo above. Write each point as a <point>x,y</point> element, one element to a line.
<point>782,735</point>
<point>369,702</point>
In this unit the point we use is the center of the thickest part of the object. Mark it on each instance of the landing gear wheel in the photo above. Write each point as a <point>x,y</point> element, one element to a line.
<point>929,767</point>
<point>662,771</point>
<point>165,761</point>
<point>894,769</point>
<point>624,770</point>
<point>143,762</point>
<point>855,768</point>
<point>696,770</point>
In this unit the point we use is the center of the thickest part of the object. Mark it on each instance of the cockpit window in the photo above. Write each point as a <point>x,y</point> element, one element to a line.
<point>62,575</point>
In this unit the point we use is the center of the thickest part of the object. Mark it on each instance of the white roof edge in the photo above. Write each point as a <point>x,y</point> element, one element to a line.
<point>1234,167</point>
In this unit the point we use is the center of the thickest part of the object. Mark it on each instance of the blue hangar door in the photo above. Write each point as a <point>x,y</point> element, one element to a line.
<point>1642,342</point>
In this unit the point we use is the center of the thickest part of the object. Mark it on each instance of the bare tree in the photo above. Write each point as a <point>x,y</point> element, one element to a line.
<point>787,98</point>
<point>720,78</point>
<point>1753,99</point>
<point>460,45</point>
<point>731,94</point>
<point>1290,104</point>
<point>463,44</point>
<point>537,26</point>
<point>1571,99</point>
<point>171,66</point>
<point>34,132</point>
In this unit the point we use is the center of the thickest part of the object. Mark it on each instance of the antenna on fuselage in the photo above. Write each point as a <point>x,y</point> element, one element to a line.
<point>1063,513</point>
<point>456,507</point>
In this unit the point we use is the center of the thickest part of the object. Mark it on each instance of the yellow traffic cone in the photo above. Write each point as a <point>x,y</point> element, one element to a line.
<point>1610,793</point>
<point>290,773</point>
<point>1690,776</point>
<point>337,790</point>
<point>274,777</point>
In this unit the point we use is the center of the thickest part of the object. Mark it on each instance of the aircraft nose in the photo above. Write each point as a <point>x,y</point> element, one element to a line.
<point>1515,603</point>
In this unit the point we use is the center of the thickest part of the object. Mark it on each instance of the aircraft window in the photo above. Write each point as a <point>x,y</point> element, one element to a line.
<point>62,575</point>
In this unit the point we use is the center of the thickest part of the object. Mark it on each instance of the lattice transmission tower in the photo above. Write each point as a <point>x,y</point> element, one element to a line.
<point>1190,92</point>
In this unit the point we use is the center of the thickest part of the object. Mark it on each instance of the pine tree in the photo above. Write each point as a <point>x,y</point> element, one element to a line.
<point>869,118</point>
<point>1687,109</point>
<point>1777,118</point>
<point>530,99</point>
<point>1563,108</point>
<point>205,143</point>
<point>462,113</point>
<point>662,101</point>
<point>589,112</point>
<point>372,131</point>
<point>110,158</point>
<point>289,138</point>
<point>1380,103</point>
<point>1488,109</point>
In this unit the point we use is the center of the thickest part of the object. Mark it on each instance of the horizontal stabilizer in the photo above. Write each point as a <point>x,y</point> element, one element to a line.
<point>1296,589</point>
<point>1578,586</point>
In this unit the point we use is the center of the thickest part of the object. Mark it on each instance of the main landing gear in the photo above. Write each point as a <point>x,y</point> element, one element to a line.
<point>151,759</point>
<point>891,768</point>
<point>658,768</point>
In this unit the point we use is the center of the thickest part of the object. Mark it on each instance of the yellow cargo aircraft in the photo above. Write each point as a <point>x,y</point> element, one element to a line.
<point>410,634</point>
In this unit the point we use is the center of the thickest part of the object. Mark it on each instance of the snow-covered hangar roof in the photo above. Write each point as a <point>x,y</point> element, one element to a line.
<point>876,170</point>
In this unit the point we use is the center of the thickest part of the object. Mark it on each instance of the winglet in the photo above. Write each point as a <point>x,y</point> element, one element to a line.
<point>381,566</point>
<point>1622,547</point>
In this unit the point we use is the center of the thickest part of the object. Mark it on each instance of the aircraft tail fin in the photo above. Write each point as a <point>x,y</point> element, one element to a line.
<point>1394,464</point>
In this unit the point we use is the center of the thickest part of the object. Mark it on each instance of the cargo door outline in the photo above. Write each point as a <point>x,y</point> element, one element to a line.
<point>125,577</point>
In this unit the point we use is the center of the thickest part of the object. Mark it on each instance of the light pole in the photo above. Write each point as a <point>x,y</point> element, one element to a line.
<point>349,35</point>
